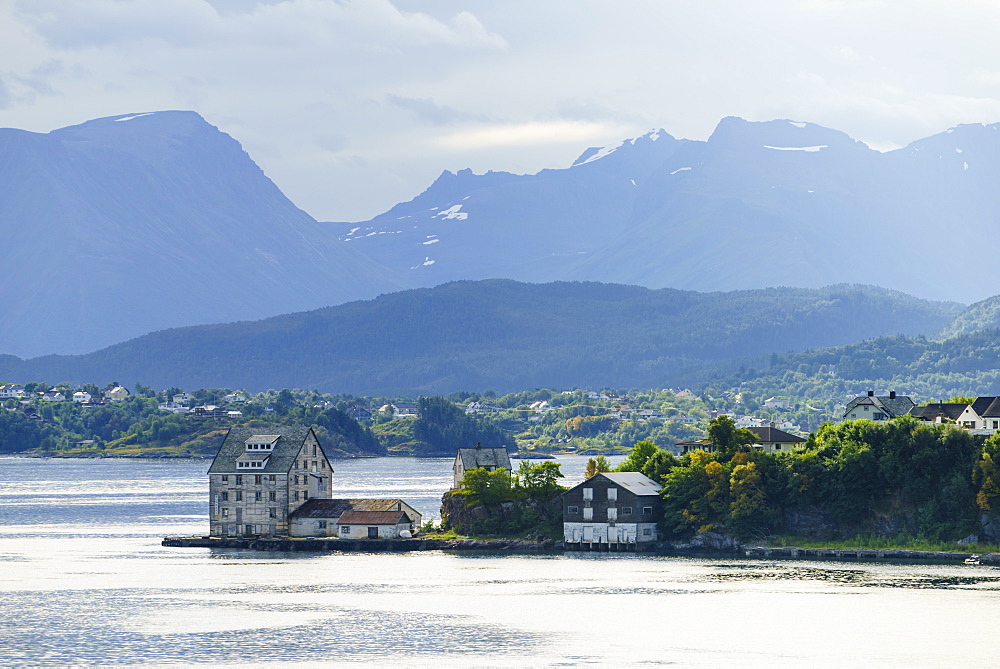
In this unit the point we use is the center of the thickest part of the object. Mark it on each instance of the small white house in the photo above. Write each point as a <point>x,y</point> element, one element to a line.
<point>374,525</point>
<point>81,396</point>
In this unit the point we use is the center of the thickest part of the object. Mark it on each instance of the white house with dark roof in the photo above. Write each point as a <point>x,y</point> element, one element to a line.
<point>260,476</point>
<point>322,518</point>
<point>772,440</point>
<point>982,416</point>
<point>489,459</point>
<point>878,407</point>
<point>612,508</point>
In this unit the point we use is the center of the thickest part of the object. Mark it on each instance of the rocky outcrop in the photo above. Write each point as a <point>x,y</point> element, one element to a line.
<point>513,517</point>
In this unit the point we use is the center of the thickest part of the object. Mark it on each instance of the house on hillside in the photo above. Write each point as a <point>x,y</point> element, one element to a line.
<point>405,410</point>
<point>11,390</point>
<point>260,476</point>
<point>117,394</point>
<point>324,518</point>
<point>941,412</point>
<point>878,407</point>
<point>612,507</point>
<point>683,447</point>
<point>489,459</point>
<point>81,397</point>
<point>983,415</point>
<point>360,414</point>
<point>772,440</point>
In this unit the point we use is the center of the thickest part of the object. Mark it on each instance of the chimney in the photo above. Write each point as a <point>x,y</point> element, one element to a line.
<point>772,424</point>
<point>892,394</point>
<point>871,393</point>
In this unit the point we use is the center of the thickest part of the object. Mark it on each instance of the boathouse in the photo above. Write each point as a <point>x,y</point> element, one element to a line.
<point>611,508</point>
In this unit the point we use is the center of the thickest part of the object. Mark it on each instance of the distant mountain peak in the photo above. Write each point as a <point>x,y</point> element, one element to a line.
<point>595,153</point>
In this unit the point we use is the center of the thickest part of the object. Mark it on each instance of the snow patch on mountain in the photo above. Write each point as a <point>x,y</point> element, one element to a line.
<point>426,263</point>
<point>680,169</point>
<point>129,118</point>
<point>809,149</point>
<point>453,212</point>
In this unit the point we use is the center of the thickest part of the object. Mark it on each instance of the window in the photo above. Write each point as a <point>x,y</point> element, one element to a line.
<point>225,513</point>
<point>777,447</point>
<point>296,479</point>
<point>345,529</point>
<point>321,525</point>
<point>295,496</point>
<point>225,496</point>
<point>626,511</point>
<point>314,449</point>
<point>866,408</point>
<point>305,495</point>
<point>647,509</point>
<point>258,479</point>
<point>270,479</point>
<point>612,514</point>
<point>996,424</point>
<point>225,479</point>
<point>272,496</point>
<point>257,496</point>
<point>588,513</point>
<point>239,496</point>
<point>239,479</point>
<point>588,493</point>
<point>373,533</point>
<point>612,494</point>
<point>572,509</point>
<point>647,531</point>
<point>272,512</point>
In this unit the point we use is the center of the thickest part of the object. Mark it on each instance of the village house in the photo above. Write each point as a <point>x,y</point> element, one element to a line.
<point>360,413</point>
<point>385,519</point>
<point>878,407</point>
<point>772,440</point>
<point>943,412</point>
<point>474,408</point>
<point>11,391</point>
<point>612,507</point>
<point>117,394</point>
<point>81,397</point>
<point>260,476</point>
<point>489,459</point>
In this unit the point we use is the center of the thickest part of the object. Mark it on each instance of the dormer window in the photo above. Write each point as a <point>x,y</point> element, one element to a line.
<point>261,443</point>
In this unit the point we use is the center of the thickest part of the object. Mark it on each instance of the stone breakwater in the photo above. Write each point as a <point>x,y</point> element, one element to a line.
<point>865,554</point>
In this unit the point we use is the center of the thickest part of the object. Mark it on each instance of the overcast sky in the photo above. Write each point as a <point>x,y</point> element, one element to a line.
<point>351,106</point>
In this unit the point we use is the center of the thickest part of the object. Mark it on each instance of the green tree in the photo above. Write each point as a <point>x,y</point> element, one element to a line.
<point>597,465</point>
<point>727,438</point>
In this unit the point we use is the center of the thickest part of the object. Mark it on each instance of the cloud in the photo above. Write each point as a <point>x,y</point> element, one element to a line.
<point>524,134</point>
<point>354,105</point>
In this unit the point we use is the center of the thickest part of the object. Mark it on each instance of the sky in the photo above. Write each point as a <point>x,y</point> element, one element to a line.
<point>351,106</point>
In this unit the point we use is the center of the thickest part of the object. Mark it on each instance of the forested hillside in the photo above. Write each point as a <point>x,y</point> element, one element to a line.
<point>502,335</point>
<point>968,364</point>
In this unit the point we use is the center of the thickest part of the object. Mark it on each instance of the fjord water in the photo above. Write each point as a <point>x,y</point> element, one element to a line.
<point>84,580</point>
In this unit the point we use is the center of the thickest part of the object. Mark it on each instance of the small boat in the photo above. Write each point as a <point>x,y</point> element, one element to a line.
<point>972,559</point>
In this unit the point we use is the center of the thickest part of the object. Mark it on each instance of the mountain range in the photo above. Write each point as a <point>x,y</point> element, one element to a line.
<point>124,225</point>
<point>137,223</point>
<point>758,204</point>
<point>501,335</point>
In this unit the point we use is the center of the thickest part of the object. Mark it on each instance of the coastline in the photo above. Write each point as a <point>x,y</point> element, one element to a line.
<point>515,546</point>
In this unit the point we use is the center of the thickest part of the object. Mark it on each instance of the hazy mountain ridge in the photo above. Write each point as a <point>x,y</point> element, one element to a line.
<point>501,335</point>
<point>124,225</point>
<point>756,205</point>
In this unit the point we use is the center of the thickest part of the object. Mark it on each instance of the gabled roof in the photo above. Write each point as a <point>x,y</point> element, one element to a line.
<point>484,457</point>
<point>333,508</point>
<point>949,410</point>
<point>892,406</point>
<point>373,518</point>
<point>772,435</point>
<point>993,410</point>
<point>634,482</point>
<point>280,458</point>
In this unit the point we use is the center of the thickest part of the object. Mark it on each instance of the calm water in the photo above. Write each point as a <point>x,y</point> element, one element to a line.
<point>83,580</point>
